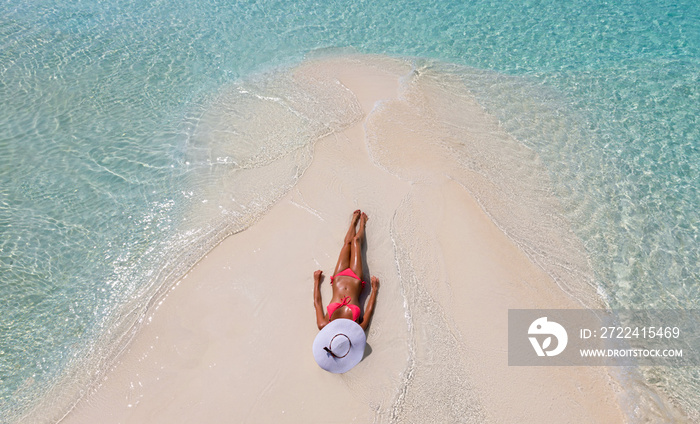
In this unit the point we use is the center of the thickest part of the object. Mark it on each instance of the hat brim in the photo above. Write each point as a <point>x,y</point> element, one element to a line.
<point>357,337</point>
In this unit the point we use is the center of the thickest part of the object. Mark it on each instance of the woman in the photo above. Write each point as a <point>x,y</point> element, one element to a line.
<point>347,281</point>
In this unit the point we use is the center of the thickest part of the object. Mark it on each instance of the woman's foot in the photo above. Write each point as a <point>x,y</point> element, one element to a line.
<point>353,224</point>
<point>361,230</point>
<point>363,221</point>
<point>355,217</point>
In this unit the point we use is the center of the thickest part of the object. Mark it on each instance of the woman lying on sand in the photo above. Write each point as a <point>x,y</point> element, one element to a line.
<point>340,345</point>
<point>347,281</point>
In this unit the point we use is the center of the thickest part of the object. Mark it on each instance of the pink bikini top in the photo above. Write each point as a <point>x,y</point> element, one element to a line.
<point>332,307</point>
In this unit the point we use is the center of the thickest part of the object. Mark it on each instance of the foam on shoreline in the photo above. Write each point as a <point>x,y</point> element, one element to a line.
<point>462,228</point>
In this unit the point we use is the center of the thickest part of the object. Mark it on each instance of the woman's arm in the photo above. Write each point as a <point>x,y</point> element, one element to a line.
<point>321,319</point>
<point>369,310</point>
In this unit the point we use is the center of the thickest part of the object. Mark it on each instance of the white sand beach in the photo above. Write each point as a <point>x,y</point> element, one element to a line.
<point>231,341</point>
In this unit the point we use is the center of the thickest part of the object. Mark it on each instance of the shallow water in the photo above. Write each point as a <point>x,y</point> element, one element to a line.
<point>112,132</point>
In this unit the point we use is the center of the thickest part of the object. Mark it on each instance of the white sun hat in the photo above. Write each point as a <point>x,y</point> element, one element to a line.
<point>340,345</point>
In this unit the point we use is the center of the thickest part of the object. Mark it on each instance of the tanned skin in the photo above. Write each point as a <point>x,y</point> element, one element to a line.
<point>350,257</point>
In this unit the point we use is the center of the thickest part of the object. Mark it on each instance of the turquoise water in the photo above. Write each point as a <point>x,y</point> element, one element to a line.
<point>102,159</point>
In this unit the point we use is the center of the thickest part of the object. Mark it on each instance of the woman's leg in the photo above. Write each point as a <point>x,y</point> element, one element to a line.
<point>356,248</point>
<point>344,257</point>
